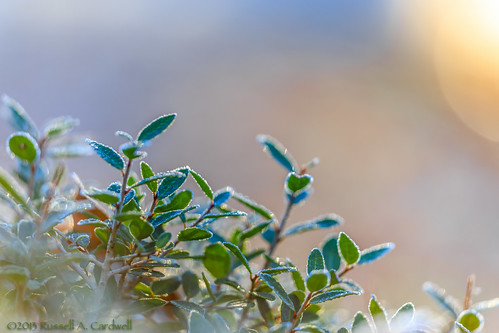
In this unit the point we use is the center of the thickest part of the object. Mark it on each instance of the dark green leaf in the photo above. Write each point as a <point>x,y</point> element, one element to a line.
<point>348,249</point>
<point>374,253</point>
<point>193,234</point>
<point>180,201</point>
<point>296,183</point>
<point>332,257</point>
<point>239,255</point>
<point>343,330</point>
<point>315,261</point>
<point>277,151</point>
<point>188,306</point>
<point>330,295</point>
<point>222,196</point>
<point>142,306</point>
<point>163,240</point>
<point>166,286</point>
<point>277,288</point>
<point>259,209</point>
<point>439,295</point>
<point>23,146</point>
<point>190,284</point>
<point>108,154</point>
<point>140,229</point>
<point>317,280</point>
<point>208,287</point>
<point>156,127</point>
<point>265,311</point>
<point>254,230</point>
<point>217,260</point>
<point>171,182</point>
<point>321,222</point>
<point>203,185</point>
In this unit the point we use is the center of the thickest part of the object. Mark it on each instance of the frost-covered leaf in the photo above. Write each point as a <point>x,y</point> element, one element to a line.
<point>254,230</point>
<point>278,152</point>
<point>156,127</point>
<point>59,126</point>
<point>239,255</point>
<point>374,253</point>
<point>317,280</point>
<point>332,294</point>
<point>321,222</point>
<point>142,306</point>
<point>296,183</point>
<point>378,314</point>
<point>18,118</point>
<point>484,305</point>
<point>403,317</point>
<point>221,197</point>
<point>92,222</point>
<point>105,196</point>
<point>187,306</point>
<point>259,209</point>
<point>202,183</point>
<point>171,182</point>
<point>360,324</point>
<point>180,201</point>
<point>471,320</point>
<point>277,288</point>
<point>331,253</point>
<point>146,173</point>
<point>277,270</point>
<point>315,261</point>
<point>348,249</point>
<point>108,154</point>
<point>445,301</point>
<point>166,286</point>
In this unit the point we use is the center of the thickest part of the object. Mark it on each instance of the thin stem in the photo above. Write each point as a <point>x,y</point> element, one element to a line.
<point>249,297</point>
<point>303,307</point>
<point>77,268</point>
<point>106,265</point>
<point>278,229</point>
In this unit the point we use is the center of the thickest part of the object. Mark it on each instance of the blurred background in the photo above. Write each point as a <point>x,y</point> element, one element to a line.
<point>399,99</point>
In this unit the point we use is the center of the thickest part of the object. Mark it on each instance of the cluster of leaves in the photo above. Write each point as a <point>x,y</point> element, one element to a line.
<point>145,247</point>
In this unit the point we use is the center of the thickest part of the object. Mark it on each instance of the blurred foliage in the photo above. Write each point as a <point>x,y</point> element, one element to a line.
<point>143,247</point>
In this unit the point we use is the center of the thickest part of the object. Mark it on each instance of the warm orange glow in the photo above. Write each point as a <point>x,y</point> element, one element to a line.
<point>467,61</point>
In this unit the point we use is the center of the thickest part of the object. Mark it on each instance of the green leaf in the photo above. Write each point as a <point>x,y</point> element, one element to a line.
<point>331,254</point>
<point>180,201</point>
<point>154,178</point>
<point>142,289</point>
<point>228,214</point>
<point>171,182</point>
<point>168,216</point>
<point>193,234</point>
<point>259,209</point>
<point>59,126</point>
<point>348,249</point>
<point>163,240</point>
<point>146,172</point>
<point>156,127</point>
<point>23,146</point>
<point>105,196</point>
<point>317,280</point>
<point>265,311</point>
<point>132,150</point>
<point>251,232</point>
<point>187,306</point>
<point>103,234</point>
<point>140,229</point>
<point>378,314</point>
<point>190,284</point>
<point>277,288</point>
<point>298,280</point>
<point>332,294</point>
<point>315,261</point>
<point>217,260</point>
<point>142,306</point>
<point>360,323</point>
<point>203,185</point>
<point>18,118</point>
<point>277,270</point>
<point>403,317</point>
<point>445,301</point>
<point>322,222</point>
<point>165,286</point>
<point>278,152</point>
<point>92,222</point>
<point>12,189</point>
<point>239,255</point>
<point>471,320</point>
<point>374,253</point>
<point>198,324</point>
<point>343,330</point>
<point>296,183</point>
<point>108,154</point>
<point>208,287</point>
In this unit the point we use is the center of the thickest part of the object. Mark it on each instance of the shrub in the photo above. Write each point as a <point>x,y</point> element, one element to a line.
<point>144,248</point>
